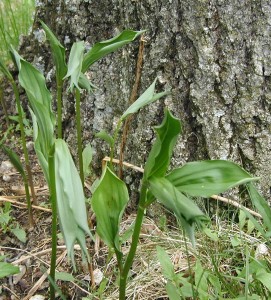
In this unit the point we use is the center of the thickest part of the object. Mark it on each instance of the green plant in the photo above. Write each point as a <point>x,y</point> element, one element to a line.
<point>7,269</point>
<point>27,177</point>
<point>110,196</point>
<point>66,194</point>
<point>172,190</point>
<point>8,224</point>
<point>15,19</point>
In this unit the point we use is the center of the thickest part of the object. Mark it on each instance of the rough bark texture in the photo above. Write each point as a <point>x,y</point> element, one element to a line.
<point>214,55</point>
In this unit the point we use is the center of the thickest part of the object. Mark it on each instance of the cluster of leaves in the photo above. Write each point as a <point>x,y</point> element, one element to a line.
<point>174,190</point>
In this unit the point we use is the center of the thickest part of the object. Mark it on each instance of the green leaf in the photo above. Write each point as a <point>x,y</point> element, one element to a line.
<point>87,158</point>
<point>7,269</point>
<point>85,84</point>
<point>201,276</point>
<point>166,264</point>
<point>108,203</point>
<point>235,241</point>
<point>146,98</point>
<point>15,160</point>
<point>5,70</point>
<point>211,234</point>
<point>172,291</point>
<point>265,278</point>
<point>101,49</point>
<point>161,152</point>
<point>242,219</point>
<point>19,233</point>
<point>40,100</point>
<point>106,137</point>
<point>206,178</point>
<point>261,204</point>
<point>184,208</point>
<point>58,52</point>
<point>75,64</point>
<point>64,276</point>
<point>70,200</point>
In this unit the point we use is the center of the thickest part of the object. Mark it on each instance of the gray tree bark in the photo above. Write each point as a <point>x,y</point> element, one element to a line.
<point>214,55</point>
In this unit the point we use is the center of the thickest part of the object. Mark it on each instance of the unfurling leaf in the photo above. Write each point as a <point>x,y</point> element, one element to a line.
<point>186,211</point>
<point>70,200</point>
<point>87,158</point>
<point>146,98</point>
<point>58,52</point>
<point>101,49</point>
<point>206,178</point>
<point>75,64</point>
<point>108,203</point>
<point>106,137</point>
<point>161,152</point>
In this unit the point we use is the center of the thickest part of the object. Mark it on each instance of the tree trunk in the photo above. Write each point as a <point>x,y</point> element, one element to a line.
<point>214,56</point>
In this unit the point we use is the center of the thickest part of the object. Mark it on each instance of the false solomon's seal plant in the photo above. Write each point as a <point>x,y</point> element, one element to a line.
<point>110,197</point>
<point>172,189</point>
<point>65,184</point>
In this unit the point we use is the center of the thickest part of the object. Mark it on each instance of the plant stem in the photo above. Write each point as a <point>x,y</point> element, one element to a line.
<point>52,187</point>
<point>59,108</point>
<point>29,178</point>
<point>79,134</point>
<point>135,238</point>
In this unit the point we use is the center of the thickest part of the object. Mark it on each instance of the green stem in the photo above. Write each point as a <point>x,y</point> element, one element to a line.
<point>112,150</point>
<point>29,178</point>
<point>52,187</point>
<point>79,134</point>
<point>135,238</point>
<point>59,108</point>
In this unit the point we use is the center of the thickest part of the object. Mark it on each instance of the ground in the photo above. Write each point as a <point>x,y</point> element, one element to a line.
<point>33,255</point>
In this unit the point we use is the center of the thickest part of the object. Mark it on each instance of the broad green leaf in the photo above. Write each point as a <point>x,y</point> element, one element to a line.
<point>85,84</point>
<point>87,158</point>
<point>265,278</point>
<point>108,203</point>
<point>235,241</point>
<point>106,137</point>
<point>161,152</point>
<point>172,291</point>
<point>101,49</point>
<point>261,204</point>
<point>7,269</point>
<point>146,98</point>
<point>5,70</point>
<point>58,52</point>
<point>206,178</point>
<point>19,233</point>
<point>40,99</point>
<point>5,218</point>
<point>15,160</point>
<point>70,200</point>
<point>64,276</point>
<point>211,234</point>
<point>184,208</point>
<point>75,64</point>
<point>166,264</point>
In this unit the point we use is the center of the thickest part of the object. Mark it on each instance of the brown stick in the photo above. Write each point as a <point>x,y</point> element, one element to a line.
<point>131,100</point>
<point>22,205</point>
